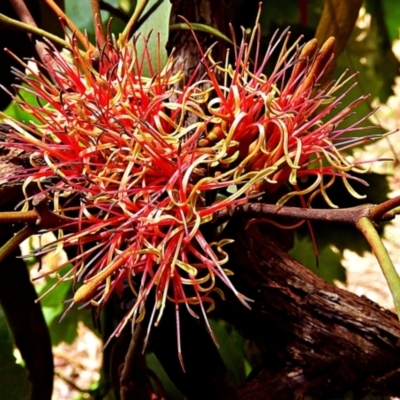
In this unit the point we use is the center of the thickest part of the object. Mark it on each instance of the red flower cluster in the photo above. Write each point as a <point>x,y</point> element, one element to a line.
<point>114,150</point>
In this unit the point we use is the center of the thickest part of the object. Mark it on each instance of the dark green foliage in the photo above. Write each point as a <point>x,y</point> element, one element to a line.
<point>14,382</point>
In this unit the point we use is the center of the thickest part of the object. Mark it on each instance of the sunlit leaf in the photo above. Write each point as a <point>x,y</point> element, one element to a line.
<point>52,303</point>
<point>154,30</point>
<point>330,267</point>
<point>53,306</point>
<point>81,14</point>
<point>66,330</point>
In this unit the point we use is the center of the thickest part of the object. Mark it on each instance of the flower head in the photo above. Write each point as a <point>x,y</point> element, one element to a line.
<point>115,150</point>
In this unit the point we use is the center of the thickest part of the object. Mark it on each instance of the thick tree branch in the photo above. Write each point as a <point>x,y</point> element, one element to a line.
<point>316,339</point>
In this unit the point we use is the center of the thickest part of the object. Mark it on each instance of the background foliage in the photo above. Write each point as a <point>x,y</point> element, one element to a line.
<point>368,50</point>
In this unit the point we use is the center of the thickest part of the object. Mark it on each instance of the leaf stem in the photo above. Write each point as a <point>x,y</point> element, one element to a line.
<point>21,26</point>
<point>367,228</point>
<point>127,32</point>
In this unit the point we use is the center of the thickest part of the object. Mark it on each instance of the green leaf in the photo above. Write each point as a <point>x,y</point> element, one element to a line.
<point>80,13</point>
<point>232,350</point>
<point>330,267</point>
<point>153,34</point>
<point>365,225</point>
<point>66,330</point>
<point>273,15</point>
<point>170,389</point>
<point>15,111</point>
<point>391,9</point>
<point>127,6</point>
<point>14,382</point>
<point>52,303</point>
<point>53,306</point>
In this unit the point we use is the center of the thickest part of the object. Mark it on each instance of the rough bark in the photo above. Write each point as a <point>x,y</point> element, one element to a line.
<point>183,43</point>
<point>316,339</point>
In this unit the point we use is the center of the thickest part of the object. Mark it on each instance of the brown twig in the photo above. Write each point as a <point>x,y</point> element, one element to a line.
<point>49,220</point>
<point>377,213</point>
<point>343,215</point>
<point>22,12</point>
<point>61,14</point>
<point>25,16</point>
<point>41,218</point>
<point>99,26</point>
<point>384,211</point>
<point>131,381</point>
<point>365,217</point>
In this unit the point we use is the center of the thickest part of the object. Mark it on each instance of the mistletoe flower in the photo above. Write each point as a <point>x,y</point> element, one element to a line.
<point>113,150</point>
<point>280,128</point>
